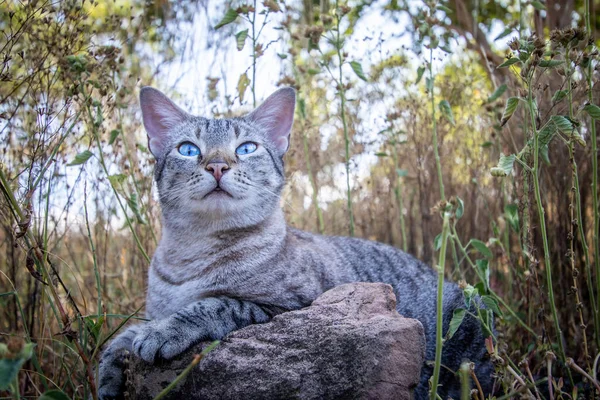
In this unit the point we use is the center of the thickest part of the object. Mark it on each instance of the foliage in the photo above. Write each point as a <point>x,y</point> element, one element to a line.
<point>485,119</point>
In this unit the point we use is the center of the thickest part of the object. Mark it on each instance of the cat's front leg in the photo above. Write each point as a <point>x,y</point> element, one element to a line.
<point>208,319</point>
<point>111,368</point>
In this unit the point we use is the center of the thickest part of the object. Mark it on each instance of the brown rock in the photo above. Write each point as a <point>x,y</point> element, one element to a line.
<point>349,344</point>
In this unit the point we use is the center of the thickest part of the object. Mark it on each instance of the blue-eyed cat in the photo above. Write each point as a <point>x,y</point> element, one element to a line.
<point>227,259</point>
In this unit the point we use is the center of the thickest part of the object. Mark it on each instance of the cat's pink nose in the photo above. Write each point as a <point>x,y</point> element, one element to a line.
<point>217,168</point>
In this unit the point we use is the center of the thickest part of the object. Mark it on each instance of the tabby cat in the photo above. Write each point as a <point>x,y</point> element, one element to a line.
<point>227,259</point>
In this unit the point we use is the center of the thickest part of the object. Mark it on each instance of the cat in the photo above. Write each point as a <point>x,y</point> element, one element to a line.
<point>227,259</point>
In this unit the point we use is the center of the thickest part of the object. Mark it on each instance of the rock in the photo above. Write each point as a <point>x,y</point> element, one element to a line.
<point>349,344</point>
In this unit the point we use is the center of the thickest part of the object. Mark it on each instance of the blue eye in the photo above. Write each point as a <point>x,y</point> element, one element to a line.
<point>246,148</point>
<point>188,149</point>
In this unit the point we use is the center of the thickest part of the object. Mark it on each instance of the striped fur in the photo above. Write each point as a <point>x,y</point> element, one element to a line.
<point>227,261</point>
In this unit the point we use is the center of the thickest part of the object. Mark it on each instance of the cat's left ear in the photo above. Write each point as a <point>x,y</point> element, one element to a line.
<point>276,116</point>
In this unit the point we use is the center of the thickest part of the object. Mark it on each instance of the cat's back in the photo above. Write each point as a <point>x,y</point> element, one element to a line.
<point>367,260</point>
<point>361,260</point>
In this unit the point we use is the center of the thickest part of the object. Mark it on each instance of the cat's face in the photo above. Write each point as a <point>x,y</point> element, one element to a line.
<point>218,169</point>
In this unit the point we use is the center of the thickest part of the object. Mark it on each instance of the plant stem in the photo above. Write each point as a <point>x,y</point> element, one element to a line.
<point>457,241</point>
<point>187,370</point>
<point>571,364</point>
<point>254,38</point>
<point>93,248</point>
<point>542,221</point>
<point>341,91</point>
<point>105,169</point>
<point>440,307</point>
<point>313,184</point>
<point>594,140</point>
<point>574,208</point>
<point>436,152</point>
<point>41,262</point>
<point>465,385</point>
<point>135,183</point>
<point>399,199</point>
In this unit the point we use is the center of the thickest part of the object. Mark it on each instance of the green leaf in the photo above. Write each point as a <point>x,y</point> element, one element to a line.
<point>480,286</point>
<point>482,248</point>
<point>504,33</point>
<point>133,204</point>
<point>484,269</point>
<point>77,64</point>
<point>457,318</point>
<point>469,292</point>
<point>242,85</point>
<point>497,93</point>
<point>401,172</point>
<point>437,242</point>
<point>429,84</point>
<point>559,95</point>
<point>509,109</point>
<point>562,123</point>
<point>544,154</point>
<point>9,367</point>
<point>81,158</point>
<point>509,62</point>
<point>546,134</point>
<point>538,5</point>
<point>282,56</point>
<point>446,111</point>
<point>94,326</point>
<point>229,17</point>
<point>357,68</point>
<point>302,107</point>
<point>505,165</point>
<point>592,110</point>
<point>116,181</point>
<point>487,144</point>
<point>434,42</point>
<point>54,395</point>
<point>381,154</point>
<point>512,216</point>
<point>446,49</point>
<point>550,63</point>
<point>492,304</point>
<point>420,72</point>
<point>444,9</point>
<point>460,210</point>
<point>113,135</point>
<point>240,39</point>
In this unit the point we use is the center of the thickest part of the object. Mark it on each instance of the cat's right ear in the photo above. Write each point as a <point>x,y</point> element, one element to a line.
<point>160,115</point>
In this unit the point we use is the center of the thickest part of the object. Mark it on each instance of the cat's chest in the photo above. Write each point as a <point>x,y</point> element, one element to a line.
<point>166,298</point>
<point>183,281</point>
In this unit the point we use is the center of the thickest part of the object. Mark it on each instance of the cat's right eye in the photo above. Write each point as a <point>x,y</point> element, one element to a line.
<point>188,149</point>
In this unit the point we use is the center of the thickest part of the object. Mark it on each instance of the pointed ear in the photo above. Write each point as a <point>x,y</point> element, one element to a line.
<point>276,116</point>
<point>160,114</point>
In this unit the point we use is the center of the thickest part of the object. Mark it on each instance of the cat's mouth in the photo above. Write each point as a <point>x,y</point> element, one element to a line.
<point>218,191</point>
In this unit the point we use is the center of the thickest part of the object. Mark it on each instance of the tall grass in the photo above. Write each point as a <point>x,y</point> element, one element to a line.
<point>487,173</point>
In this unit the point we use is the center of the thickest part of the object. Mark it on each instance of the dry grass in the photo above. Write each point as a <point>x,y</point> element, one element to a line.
<point>74,239</point>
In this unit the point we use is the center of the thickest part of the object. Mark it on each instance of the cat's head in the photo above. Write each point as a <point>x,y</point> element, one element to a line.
<point>218,170</point>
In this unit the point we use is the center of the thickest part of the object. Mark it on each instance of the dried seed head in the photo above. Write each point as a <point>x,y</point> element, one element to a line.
<point>514,44</point>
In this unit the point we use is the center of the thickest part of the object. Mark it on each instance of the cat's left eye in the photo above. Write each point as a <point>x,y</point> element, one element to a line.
<point>246,148</point>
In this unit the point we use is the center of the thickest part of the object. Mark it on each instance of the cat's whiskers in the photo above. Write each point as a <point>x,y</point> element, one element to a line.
<point>260,189</point>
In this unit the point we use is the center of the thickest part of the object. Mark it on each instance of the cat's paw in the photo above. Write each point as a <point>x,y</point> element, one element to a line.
<point>111,384</point>
<point>112,365</point>
<point>160,341</point>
